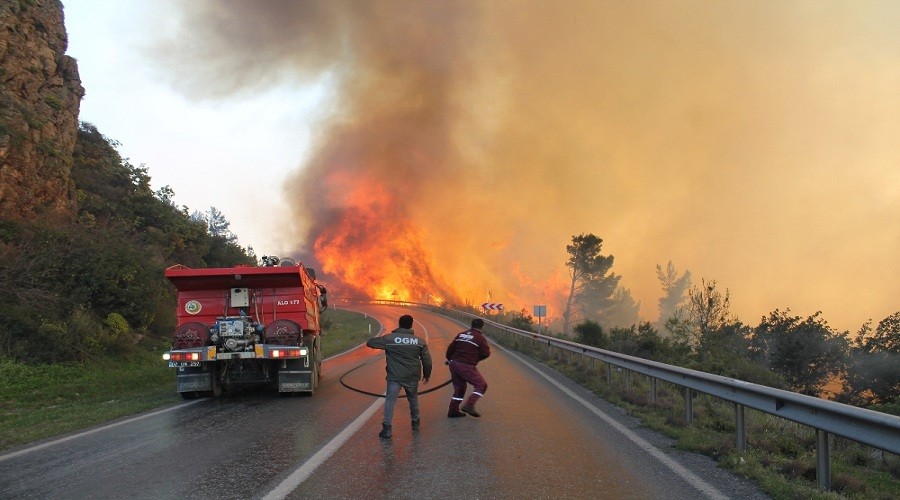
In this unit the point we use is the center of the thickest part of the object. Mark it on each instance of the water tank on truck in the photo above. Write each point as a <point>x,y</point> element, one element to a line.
<point>246,325</point>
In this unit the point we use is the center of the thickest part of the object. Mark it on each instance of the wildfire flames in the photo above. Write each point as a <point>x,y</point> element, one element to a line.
<point>379,243</point>
<point>373,250</point>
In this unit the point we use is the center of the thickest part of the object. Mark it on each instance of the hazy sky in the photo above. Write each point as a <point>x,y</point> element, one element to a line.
<point>230,154</point>
<point>456,147</point>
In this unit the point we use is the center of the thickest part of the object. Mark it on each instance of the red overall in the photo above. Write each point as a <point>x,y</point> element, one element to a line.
<point>466,350</point>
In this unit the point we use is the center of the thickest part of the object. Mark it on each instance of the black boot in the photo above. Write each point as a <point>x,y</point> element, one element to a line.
<point>471,411</point>
<point>385,431</point>
<point>415,425</point>
<point>454,412</point>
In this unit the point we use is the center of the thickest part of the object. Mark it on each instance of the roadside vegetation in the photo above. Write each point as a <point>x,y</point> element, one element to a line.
<point>345,330</point>
<point>93,288</point>
<point>780,454</point>
<point>42,400</point>
<point>39,401</point>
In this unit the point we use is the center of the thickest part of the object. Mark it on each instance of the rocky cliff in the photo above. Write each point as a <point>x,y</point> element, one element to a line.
<point>40,95</point>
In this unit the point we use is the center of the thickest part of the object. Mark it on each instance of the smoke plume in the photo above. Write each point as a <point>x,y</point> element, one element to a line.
<point>753,143</point>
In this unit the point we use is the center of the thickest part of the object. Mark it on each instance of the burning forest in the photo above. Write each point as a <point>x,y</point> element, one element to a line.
<point>463,144</point>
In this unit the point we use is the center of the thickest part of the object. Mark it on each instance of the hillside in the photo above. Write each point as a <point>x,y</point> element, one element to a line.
<point>83,238</point>
<point>40,96</point>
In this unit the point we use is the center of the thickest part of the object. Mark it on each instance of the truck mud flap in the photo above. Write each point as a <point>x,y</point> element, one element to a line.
<point>294,381</point>
<point>188,382</point>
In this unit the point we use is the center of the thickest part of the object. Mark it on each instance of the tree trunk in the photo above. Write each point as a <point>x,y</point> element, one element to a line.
<point>567,314</point>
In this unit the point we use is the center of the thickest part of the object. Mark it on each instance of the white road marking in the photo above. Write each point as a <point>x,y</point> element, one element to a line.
<point>98,429</point>
<point>92,431</point>
<point>338,440</point>
<point>423,328</point>
<point>304,471</point>
<point>694,480</point>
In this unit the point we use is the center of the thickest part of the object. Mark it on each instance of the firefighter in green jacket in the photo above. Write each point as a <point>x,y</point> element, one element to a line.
<point>408,361</point>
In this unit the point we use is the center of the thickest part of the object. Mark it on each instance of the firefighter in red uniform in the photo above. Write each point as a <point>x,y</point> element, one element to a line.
<point>466,350</point>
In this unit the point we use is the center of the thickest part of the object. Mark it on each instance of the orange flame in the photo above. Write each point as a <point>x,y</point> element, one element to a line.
<point>372,248</point>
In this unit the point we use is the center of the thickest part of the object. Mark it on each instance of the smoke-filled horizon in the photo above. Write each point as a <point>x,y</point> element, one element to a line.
<point>751,143</point>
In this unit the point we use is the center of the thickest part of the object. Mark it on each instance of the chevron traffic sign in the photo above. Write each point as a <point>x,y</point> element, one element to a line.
<point>492,306</point>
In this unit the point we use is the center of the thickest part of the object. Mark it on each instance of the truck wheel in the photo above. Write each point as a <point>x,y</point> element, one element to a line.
<point>216,384</point>
<point>318,358</point>
<point>313,380</point>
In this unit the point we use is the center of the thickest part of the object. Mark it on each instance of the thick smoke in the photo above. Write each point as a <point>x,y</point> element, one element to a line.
<point>753,143</point>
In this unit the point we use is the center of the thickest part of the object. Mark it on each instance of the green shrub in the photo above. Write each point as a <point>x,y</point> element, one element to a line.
<point>118,339</point>
<point>53,102</point>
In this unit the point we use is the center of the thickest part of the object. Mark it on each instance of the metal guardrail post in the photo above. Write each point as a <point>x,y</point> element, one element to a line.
<point>823,467</point>
<point>608,373</point>
<point>653,390</point>
<point>688,405</point>
<point>740,428</point>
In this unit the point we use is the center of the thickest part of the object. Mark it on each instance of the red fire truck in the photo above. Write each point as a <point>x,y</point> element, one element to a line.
<point>246,325</point>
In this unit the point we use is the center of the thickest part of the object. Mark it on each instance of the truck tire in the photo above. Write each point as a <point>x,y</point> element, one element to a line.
<point>216,383</point>
<point>313,381</point>
<point>319,356</point>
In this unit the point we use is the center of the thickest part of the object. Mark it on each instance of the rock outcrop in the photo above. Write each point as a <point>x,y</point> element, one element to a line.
<point>40,96</point>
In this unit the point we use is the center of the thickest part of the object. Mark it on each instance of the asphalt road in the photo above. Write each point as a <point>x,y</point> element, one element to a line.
<point>540,436</point>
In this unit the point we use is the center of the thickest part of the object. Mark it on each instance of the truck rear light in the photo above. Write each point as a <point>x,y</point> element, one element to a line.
<point>287,352</point>
<point>184,356</point>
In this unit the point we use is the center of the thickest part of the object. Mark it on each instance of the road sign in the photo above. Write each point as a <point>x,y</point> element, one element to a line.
<point>540,311</point>
<point>492,306</point>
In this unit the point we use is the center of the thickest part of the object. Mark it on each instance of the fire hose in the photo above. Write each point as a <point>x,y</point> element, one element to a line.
<point>419,393</point>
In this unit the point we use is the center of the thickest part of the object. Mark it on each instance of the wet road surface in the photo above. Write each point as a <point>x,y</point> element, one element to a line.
<point>540,436</point>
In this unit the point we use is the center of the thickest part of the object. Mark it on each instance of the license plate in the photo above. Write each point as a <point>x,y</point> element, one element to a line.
<point>182,364</point>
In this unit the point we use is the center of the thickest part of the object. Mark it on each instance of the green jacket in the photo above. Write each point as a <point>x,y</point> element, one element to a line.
<point>408,359</point>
